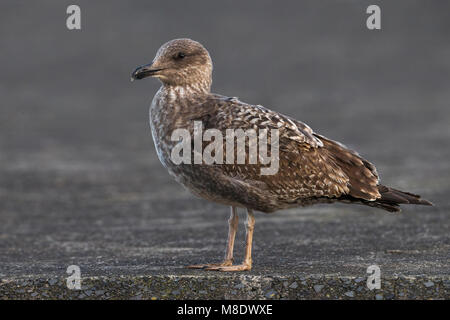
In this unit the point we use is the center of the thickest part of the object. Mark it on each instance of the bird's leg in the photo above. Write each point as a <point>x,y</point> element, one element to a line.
<point>232,228</point>
<point>247,263</point>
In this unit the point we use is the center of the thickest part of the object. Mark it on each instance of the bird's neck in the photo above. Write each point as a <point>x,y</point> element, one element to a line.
<point>168,111</point>
<point>186,92</point>
<point>172,101</point>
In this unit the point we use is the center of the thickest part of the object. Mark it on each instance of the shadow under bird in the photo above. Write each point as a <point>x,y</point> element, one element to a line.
<point>312,168</point>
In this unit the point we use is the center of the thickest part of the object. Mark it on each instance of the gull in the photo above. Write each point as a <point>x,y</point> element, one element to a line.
<point>312,168</point>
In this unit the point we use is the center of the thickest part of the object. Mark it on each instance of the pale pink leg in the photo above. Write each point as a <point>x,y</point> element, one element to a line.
<point>232,228</point>
<point>247,263</point>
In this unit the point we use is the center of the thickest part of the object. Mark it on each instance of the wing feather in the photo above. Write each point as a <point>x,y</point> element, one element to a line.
<point>310,166</point>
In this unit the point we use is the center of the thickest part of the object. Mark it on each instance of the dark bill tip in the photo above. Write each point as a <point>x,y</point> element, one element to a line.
<point>143,72</point>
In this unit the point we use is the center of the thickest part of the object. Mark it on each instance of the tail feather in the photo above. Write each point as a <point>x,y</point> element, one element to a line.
<point>392,198</point>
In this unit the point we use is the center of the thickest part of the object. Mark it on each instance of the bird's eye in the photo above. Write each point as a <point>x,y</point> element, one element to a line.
<point>180,55</point>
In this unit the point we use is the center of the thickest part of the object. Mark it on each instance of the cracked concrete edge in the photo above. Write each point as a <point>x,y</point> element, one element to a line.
<point>228,287</point>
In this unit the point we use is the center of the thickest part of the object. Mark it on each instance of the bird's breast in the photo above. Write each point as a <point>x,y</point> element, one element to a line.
<point>168,112</point>
<point>160,127</point>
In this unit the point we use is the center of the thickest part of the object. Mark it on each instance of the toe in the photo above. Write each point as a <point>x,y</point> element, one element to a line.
<point>210,266</point>
<point>239,267</point>
<point>196,266</point>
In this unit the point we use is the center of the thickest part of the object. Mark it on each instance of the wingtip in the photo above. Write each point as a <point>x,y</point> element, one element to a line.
<point>426,202</point>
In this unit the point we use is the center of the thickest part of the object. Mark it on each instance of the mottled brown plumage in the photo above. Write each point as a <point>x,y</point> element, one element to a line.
<point>312,168</point>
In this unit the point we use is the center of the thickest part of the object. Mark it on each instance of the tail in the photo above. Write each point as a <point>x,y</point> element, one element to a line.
<point>391,199</point>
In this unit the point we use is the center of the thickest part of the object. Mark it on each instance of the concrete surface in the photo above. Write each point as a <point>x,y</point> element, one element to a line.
<point>80,182</point>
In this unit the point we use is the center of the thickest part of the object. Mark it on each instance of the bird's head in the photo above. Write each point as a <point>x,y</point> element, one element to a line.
<point>180,62</point>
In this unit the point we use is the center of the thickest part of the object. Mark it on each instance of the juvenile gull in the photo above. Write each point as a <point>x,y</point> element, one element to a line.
<point>312,168</point>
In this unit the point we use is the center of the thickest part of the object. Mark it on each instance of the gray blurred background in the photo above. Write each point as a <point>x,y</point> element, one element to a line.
<point>80,182</point>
